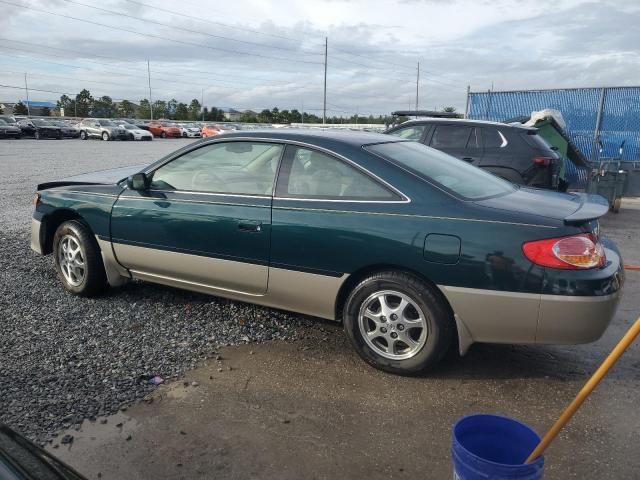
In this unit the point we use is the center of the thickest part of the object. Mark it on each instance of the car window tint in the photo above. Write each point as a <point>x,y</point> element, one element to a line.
<point>474,140</point>
<point>448,136</point>
<point>444,170</point>
<point>232,167</point>
<point>313,174</point>
<point>413,132</point>
<point>492,138</point>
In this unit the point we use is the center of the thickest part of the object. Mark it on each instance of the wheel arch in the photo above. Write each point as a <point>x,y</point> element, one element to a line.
<point>54,220</point>
<point>360,274</point>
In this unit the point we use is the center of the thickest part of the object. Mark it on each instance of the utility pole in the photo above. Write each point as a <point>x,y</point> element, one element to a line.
<point>26,87</point>
<point>418,87</point>
<point>466,107</point>
<point>150,100</point>
<point>357,115</point>
<point>324,107</point>
<point>303,112</point>
<point>202,105</point>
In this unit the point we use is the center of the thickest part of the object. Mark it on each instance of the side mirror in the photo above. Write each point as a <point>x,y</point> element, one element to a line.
<point>138,181</point>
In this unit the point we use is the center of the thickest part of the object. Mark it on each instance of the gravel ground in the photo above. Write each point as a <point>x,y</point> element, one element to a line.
<point>66,358</point>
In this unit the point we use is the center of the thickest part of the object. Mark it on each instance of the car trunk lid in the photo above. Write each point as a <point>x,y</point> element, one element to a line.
<point>571,208</point>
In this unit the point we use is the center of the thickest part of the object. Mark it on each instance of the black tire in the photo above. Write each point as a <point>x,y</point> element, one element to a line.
<point>105,136</point>
<point>163,134</point>
<point>184,134</point>
<point>94,278</point>
<point>83,135</point>
<point>36,135</point>
<point>440,323</point>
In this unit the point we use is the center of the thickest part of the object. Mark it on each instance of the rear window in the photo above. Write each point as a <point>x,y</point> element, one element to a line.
<point>535,140</point>
<point>453,175</point>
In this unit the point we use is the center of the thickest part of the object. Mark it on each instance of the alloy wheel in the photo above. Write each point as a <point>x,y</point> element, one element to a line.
<point>71,260</point>
<point>393,324</point>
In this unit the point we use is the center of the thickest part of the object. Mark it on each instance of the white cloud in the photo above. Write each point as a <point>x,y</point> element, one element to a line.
<point>373,49</point>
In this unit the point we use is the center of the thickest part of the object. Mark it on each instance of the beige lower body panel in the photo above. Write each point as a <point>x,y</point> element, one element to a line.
<point>163,264</point>
<point>36,236</point>
<point>511,317</point>
<point>495,316</point>
<point>302,292</point>
<point>567,320</point>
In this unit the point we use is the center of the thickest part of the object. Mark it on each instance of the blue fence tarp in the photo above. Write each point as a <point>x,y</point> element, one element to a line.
<point>620,118</point>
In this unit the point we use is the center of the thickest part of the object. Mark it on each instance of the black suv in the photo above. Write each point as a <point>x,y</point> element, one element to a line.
<point>513,152</point>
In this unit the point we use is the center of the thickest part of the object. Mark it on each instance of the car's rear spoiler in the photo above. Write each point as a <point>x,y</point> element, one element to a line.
<point>591,207</point>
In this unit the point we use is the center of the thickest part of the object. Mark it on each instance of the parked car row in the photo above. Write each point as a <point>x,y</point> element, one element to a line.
<point>105,129</point>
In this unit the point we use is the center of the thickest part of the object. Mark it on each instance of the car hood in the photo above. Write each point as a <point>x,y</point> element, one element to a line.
<point>568,207</point>
<point>102,177</point>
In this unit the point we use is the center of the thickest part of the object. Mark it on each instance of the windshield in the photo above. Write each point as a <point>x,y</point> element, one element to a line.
<point>2,122</point>
<point>41,123</point>
<point>130,127</point>
<point>106,123</point>
<point>454,175</point>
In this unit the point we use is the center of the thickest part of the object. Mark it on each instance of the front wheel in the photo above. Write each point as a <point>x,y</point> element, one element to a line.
<point>36,135</point>
<point>105,136</point>
<point>78,260</point>
<point>83,135</point>
<point>163,134</point>
<point>397,323</point>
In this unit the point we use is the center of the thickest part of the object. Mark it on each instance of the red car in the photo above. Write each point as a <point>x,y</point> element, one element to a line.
<point>164,130</point>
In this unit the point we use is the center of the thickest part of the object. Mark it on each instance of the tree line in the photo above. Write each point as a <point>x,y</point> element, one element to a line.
<point>85,105</point>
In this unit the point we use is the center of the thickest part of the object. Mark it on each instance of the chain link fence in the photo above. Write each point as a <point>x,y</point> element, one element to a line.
<point>595,117</point>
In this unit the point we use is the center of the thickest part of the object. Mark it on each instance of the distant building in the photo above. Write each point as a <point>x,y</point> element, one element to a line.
<point>233,115</point>
<point>136,107</point>
<point>35,108</point>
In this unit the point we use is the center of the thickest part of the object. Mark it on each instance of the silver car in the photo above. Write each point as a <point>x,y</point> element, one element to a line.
<point>101,128</point>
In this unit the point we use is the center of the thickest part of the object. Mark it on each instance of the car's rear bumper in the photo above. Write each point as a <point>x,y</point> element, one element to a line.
<point>494,316</point>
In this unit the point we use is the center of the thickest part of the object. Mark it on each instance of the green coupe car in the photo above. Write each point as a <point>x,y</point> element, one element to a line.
<point>413,250</point>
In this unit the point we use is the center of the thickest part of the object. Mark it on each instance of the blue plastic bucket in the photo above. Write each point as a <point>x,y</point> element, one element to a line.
<point>494,447</point>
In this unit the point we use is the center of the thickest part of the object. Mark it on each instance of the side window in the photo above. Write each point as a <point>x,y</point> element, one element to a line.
<point>244,168</point>
<point>474,140</point>
<point>413,132</point>
<point>493,138</point>
<point>312,174</point>
<point>449,136</point>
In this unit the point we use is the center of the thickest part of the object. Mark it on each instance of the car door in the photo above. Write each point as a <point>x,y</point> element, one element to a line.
<point>315,236</point>
<point>460,141</point>
<point>204,221</point>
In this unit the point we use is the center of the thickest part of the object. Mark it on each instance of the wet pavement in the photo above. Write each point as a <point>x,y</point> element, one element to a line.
<point>312,409</point>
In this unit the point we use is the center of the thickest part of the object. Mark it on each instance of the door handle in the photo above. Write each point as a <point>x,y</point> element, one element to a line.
<point>249,226</point>
<point>468,159</point>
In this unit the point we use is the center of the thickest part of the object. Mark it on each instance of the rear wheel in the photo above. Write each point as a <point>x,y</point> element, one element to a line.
<point>36,135</point>
<point>105,136</point>
<point>397,323</point>
<point>83,135</point>
<point>163,134</point>
<point>78,260</point>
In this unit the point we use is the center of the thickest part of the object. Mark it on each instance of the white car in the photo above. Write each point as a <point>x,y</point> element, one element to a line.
<point>135,133</point>
<point>189,130</point>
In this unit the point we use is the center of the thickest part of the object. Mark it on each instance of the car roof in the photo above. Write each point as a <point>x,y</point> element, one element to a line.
<point>463,121</point>
<point>356,138</point>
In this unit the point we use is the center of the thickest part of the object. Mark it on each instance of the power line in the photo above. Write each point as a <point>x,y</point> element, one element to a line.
<point>198,32</point>
<point>126,74</point>
<point>150,35</point>
<point>40,46</point>
<point>173,12</point>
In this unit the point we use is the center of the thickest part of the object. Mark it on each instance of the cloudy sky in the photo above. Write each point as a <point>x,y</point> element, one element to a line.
<point>263,53</point>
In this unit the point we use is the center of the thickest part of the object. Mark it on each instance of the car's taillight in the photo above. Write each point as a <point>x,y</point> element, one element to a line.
<point>571,253</point>
<point>542,161</point>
